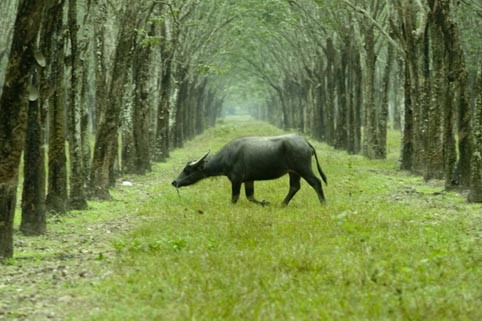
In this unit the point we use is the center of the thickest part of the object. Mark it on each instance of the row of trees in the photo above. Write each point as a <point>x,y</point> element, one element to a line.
<point>144,76</point>
<point>138,76</point>
<point>338,69</point>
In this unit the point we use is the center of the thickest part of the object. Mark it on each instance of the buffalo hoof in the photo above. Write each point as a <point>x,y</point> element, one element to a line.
<point>264,203</point>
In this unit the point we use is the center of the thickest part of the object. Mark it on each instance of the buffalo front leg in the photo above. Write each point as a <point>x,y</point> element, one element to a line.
<point>236,190</point>
<point>294,187</point>
<point>249,189</point>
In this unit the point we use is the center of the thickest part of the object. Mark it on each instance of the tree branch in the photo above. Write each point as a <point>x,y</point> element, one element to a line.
<point>366,14</point>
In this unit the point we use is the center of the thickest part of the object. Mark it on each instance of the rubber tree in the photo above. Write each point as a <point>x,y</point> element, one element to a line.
<point>13,104</point>
<point>102,175</point>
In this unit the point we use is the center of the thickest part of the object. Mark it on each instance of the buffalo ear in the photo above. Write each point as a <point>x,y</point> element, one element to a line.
<point>200,161</point>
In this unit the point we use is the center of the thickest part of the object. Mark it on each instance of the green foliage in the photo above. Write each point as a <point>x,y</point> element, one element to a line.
<point>387,246</point>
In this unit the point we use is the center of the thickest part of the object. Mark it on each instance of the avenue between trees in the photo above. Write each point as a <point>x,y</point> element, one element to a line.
<point>92,89</point>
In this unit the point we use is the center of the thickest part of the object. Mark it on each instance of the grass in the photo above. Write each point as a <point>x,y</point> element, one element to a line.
<point>388,246</point>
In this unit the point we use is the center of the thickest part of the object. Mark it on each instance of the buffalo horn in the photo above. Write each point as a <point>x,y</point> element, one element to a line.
<point>199,161</point>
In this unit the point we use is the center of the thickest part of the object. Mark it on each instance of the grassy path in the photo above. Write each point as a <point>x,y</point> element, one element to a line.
<point>386,247</point>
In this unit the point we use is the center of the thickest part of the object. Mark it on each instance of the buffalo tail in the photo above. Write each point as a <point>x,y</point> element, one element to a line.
<point>323,176</point>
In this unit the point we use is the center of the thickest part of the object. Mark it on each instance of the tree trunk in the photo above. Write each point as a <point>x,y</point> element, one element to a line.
<point>190,115</point>
<point>371,143</point>
<point>286,119</point>
<point>341,134</point>
<point>179,124</point>
<point>441,146</point>
<point>408,25</point>
<point>424,101</point>
<point>84,117</point>
<point>397,100</point>
<point>475,194</point>
<point>463,174</point>
<point>350,90</point>
<point>128,156</point>
<point>33,196</point>
<point>434,155</point>
<point>141,113</point>
<point>57,199</point>
<point>318,92</point>
<point>101,85</point>
<point>34,186</point>
<point>381,151</point>
<point>199,106</point>
<point>457,75</point>
<point>330,92</point>
<point>13,114</point>
<point>106,143</point>
<point>77,182</point>
<point>357,102</point>
<point>8,8</point>
<point>413,149</point>
<point>163,110</point>
<point>212,107</point>
<point>408,130</point>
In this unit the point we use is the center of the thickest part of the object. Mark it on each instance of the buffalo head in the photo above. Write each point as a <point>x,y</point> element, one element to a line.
<point>192,172</point>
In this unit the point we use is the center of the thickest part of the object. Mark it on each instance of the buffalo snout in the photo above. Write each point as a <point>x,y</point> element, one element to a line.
<point>174,183</point>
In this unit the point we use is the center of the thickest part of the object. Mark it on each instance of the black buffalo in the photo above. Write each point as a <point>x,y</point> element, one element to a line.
<point>249,159</point>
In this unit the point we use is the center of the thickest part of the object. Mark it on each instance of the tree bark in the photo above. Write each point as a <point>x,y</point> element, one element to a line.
<point>33,196</point>
<point>164,107</point>
<point>128,156</point>
<point>330,92</point>
<point>341,135</point>
<point>320,99</point>
<point>8,9</point>
<point>357,102</point>
<point>408,25</point>
<point>102,175</point>
<point>457,76</point>
<point>85,119</point>
<point>371,143</point>
<point>141,113</point>
<point>397,101</point>
<point>77,180</point>
<point>462,175</point>
<point>100,20</point>
<point>434,155</point>
<point>57,198</point>
<point>381,151</point>
<point>408,130</point>
<point>475,193</point>
<point>178,130</point>
<point>352,109</point>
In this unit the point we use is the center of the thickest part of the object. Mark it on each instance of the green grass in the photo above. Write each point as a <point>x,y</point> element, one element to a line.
<point>386,247</point>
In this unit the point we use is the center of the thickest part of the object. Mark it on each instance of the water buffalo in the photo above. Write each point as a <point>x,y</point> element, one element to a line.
<point>253,158</point>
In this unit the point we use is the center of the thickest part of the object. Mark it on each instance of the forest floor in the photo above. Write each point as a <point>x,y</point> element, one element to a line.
<point>387,246</point>
<point>42,280</point>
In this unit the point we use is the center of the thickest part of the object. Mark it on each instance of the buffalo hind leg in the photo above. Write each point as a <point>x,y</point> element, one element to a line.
<point>316,184</point>
<point>294,187</point>
<point>249,189</point>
